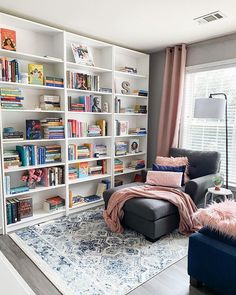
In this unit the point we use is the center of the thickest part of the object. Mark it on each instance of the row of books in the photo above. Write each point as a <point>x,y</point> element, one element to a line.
<point>82,129</point>
<point>87,150</point>
<point>82,81</point>
<point>50,102</point>
<point>118,166</point>
<point>85,103</point>
<point>9,70</point>
<point>82,170</point>
<point>11,98</point>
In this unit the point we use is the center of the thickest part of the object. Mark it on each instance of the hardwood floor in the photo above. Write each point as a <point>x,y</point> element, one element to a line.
<point>172,281</point>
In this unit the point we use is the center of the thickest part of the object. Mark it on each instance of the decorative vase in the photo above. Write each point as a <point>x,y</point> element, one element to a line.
<point>218,182</point>
<point>32,185</point>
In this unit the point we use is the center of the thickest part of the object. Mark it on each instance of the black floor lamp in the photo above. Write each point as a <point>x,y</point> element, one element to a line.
<point>215,108</point>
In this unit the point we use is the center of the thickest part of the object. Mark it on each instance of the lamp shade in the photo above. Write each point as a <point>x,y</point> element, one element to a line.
<point>209,108</point>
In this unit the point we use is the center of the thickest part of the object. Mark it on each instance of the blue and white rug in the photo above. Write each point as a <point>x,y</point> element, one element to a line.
<point>81,256</point>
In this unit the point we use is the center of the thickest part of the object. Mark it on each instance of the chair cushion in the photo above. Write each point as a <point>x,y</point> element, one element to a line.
<point>150,209</point>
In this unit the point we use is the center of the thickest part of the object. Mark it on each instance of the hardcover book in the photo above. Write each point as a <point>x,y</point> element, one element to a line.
<point>26,207</point>
<point>83,169</point>
<point>82,54</point>
<point>33,129</point>
<point>35,72</point>
<point>8,39</point>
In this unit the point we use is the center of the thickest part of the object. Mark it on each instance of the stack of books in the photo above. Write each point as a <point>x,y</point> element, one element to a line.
<point>95,170</point>
<point>77,129</point>
<point>138,131</point>
<point>127,110</point>
<point>137,164</point>
<point>37,155</point>
<point>82,81</point>
<point>128,70</point>
<point>11,98</point>
<point>9,70</point>
<point>85,103</point>
<point>73,173</point>
<point>53,203</point>
<point>53,176</point>
<point>78,152</point>
<point>18,209</point>
<point>140,92</point>
<point>33,129</point>
<point>118,166</point>
<point>50,102</point>
<point>141,109</point>
<point>94,130</point>
<point>121,148</point>
<point>9,133</point>
<point>53,128</point>
<point>11,159</point>
<point>17,190</point>
<point>99,149</point>
<point>55,82</point>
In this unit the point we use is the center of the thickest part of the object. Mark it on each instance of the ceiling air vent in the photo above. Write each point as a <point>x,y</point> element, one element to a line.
<point>210,17</point>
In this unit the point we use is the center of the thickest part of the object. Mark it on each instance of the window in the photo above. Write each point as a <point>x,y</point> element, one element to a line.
<point>201,134</point>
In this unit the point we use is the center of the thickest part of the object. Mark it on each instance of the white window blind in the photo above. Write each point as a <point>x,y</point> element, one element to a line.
<point>201,134</point>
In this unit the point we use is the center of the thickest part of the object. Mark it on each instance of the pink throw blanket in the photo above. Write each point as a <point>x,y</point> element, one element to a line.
<point>182,201</point>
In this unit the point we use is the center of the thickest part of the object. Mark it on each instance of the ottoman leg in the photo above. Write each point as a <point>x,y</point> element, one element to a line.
<point>195,283</point>
<point>151,240</point>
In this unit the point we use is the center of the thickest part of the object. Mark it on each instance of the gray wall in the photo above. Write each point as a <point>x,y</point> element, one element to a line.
<point>203,52</point>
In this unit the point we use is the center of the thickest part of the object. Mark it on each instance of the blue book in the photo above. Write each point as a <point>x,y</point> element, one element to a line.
<point>19,189</point>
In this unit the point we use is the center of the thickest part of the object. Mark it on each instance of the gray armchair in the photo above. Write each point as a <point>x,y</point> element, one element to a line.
<point>155,218</point>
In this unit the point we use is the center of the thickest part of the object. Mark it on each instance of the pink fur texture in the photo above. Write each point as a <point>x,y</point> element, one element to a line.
<point>219,216</point>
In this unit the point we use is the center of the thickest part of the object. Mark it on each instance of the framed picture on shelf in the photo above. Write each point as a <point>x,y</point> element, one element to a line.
<point>97,104</point>
<point>124,127</point>
<point>133,146</point>
<point>8,39</point>
<point>81,81</point>
<point>82,54</point>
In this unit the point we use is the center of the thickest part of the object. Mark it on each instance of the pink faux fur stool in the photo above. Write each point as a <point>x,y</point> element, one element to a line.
<point>220,217</point>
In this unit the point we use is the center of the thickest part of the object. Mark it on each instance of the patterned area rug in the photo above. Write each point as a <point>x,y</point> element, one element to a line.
<point>80,255</point>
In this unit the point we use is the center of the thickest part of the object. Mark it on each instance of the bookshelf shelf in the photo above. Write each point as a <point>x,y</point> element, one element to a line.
<point>22,168</point>
<point>53,51</point>
<point>89,178</point>
<point>27,56</point>
<point>36,190</point>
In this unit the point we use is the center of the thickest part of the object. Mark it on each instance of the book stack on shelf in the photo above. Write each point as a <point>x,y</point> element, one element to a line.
<point>9,70</point>
<point>128,70</point>
<point>121,127</point>
<point>118,182</point>
<point>11,98</point>
<point>140,92</point>
<point>53,204</point>
<point>118,166</point>
<point>18,209</point>
<point>33,129</point>
<point>53,128</point>
<point>78,152</point>
<point>11,159</point>
<point>137,164</point>
<point>121,148</point>
<point>140,109</point>
<point>98,150</point>
<point>138,131</point>
<point>85,103</point>
<point>10,134</point>
<point>14,190</point>
<point>76,128</point>
<point>53,81</point>
<point>50,102</point>
<point>37,155</point>
<point>94,130</point>
<point>82,81</point>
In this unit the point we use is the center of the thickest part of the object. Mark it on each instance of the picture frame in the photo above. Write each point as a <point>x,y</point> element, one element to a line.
<point>82,54</point>
<point>133,146</point>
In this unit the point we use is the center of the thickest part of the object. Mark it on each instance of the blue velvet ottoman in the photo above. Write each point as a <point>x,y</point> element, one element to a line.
<point>212,261</point>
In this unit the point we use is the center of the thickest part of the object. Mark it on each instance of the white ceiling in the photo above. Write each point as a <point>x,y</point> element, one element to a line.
<point>145,25</point>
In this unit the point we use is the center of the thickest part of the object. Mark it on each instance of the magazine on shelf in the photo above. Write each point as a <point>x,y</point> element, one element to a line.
<point>82,54</point>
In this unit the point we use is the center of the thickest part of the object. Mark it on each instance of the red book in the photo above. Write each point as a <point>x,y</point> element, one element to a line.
<point>8,39</point>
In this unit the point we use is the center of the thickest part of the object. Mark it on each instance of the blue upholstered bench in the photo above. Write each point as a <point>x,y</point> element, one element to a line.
<point>212,261</point>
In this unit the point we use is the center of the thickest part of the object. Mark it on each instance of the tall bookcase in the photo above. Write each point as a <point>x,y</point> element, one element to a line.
<point>51,47</point>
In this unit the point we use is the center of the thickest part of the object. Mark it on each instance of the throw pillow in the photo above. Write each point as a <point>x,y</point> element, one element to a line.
<point>156,167</point>
<point>169,179</point>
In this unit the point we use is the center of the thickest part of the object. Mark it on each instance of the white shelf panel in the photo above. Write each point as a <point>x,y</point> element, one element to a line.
<point>14,84</point>
<point>74,66</point>
<point>132,75</point>
<point>89,113</point>
<point>128,171</point>
<point>36,190</point>
<point>131,95</point>
<point>22,168</point>
<point>32,111</point>
<point>89,178</point>
<point>131,155</point>
<point>88,137</point>
<point>27,56</point>
<point>31,141</point>
<point>39,216</point>
<point>130,114</point>
<point>89,160</point>
<point>85,206</point>
<point>131,135</point>
<point>88,91</point>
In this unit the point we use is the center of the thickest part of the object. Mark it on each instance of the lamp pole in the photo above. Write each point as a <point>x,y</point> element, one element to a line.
<point>226,135</point>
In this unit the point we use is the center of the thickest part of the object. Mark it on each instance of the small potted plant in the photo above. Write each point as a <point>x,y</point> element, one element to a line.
<point>32,176</point>
<point>218,181</point>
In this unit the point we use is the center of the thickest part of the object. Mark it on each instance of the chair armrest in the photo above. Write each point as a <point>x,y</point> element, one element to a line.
<point>197,188</point>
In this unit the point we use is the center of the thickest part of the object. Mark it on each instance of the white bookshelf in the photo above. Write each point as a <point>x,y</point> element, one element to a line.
<point>51,47</point>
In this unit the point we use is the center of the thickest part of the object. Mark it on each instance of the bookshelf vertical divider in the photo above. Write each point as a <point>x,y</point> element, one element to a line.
<point>53,50</point>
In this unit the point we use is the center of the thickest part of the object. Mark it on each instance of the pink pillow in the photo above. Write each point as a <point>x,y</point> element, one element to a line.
<point>174,162</point>
<point>170,179</point>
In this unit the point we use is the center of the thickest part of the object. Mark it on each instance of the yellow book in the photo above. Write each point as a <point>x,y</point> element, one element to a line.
<point>35,74</point>
<point>102,124</point>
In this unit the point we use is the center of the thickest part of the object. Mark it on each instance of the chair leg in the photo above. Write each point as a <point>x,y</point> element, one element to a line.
<point>195,283</point>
